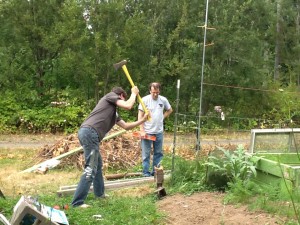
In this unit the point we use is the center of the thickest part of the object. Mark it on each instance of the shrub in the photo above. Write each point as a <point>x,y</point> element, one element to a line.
<point>231,166</point>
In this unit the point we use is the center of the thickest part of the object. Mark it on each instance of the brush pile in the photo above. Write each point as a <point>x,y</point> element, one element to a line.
<point>120,152</point>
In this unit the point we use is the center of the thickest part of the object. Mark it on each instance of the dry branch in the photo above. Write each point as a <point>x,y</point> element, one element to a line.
<point>118,149</point>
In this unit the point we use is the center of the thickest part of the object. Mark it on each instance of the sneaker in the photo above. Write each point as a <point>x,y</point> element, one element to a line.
<point>104,196</point>
<point>84,206</point>
<point>146,175</point>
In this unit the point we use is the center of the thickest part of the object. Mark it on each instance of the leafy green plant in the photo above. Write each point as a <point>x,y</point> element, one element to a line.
<point>188,176</point>
<point>47,119</point>
<point>233,165</point>
<point>290,193</point>
<point>242,192</point>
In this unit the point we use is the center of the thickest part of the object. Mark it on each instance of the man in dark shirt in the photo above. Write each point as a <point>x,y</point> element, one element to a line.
<point>103,117</point>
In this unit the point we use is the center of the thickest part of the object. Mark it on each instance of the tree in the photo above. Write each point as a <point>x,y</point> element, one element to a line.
<point>39,37</point>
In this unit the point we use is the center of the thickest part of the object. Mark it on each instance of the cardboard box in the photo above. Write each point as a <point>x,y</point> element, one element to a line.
<point>29,211</point>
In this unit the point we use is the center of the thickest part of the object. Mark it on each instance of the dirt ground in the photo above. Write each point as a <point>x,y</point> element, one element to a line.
<point>200,208</point>
<point>207,208</point>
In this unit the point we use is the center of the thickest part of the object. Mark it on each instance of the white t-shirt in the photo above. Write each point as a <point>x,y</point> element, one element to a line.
<point>157,108</point>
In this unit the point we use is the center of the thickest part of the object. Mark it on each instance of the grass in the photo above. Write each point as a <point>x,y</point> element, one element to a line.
<point>126,206</point>
<point>262,197</point>
<point>14,183</point>
<point>115,210</point>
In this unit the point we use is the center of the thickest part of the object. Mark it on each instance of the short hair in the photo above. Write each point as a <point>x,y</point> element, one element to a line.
<point>119,90</point>
<point>155,85</point>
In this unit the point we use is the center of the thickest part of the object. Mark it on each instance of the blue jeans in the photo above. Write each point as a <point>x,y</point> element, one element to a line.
<point>157,153</point>
<point>92,173</point>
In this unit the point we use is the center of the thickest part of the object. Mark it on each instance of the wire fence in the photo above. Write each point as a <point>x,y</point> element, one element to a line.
<point>188,123</point>
<point>220,129</point>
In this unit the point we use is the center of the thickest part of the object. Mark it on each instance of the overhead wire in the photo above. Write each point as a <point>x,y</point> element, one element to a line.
<point>248,88</point>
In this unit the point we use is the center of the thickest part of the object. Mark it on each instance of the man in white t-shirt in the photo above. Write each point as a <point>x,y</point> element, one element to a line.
<point>159,108</point>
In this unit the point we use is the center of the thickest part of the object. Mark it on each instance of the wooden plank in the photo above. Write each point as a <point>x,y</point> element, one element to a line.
<point>110,185</point>
<point>121,175</point>
<point>108,182</point>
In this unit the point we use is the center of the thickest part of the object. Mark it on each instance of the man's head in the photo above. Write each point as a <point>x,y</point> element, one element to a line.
<point>154,89</point>
<point>120,91</point>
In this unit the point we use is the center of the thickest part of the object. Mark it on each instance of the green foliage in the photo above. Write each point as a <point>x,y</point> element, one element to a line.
<point>259,196</point>
<point>55,118</point>
<point>9,113</point>
<point>234,165</point>
<point>48,119</point>
<point>188,176</point>
<point>41,58</point>
<point>243,191</point>
<point>51,119</point>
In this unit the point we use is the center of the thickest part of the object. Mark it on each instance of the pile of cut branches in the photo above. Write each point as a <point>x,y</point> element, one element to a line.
<point>120,152</point>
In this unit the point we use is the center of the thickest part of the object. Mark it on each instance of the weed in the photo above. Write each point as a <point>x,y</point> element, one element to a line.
<point>188,176</point>
<point>230,166</point>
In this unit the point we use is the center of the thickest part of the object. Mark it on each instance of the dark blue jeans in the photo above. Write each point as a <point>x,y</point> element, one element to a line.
<point>157,153</point>
<point>92,173</point>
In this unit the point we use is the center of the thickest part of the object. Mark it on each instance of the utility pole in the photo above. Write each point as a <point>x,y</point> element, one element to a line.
<point>201,84</point>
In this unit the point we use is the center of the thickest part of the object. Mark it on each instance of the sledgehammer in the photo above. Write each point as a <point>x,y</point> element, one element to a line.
<point>123,65</point>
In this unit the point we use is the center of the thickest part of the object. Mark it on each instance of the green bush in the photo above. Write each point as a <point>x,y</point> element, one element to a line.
<point>231,165</point>
<point>54,119</point>
<point>51,119</point>
<point>47,119</point>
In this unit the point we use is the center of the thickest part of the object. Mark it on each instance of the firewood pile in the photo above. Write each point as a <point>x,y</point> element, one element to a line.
<point>120,152</point>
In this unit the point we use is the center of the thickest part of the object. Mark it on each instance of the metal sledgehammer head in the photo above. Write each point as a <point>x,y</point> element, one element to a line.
<point>120,64</point>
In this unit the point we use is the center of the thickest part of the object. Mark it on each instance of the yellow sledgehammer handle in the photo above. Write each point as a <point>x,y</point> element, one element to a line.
<point>132,85</point>
<point>123,65</point>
